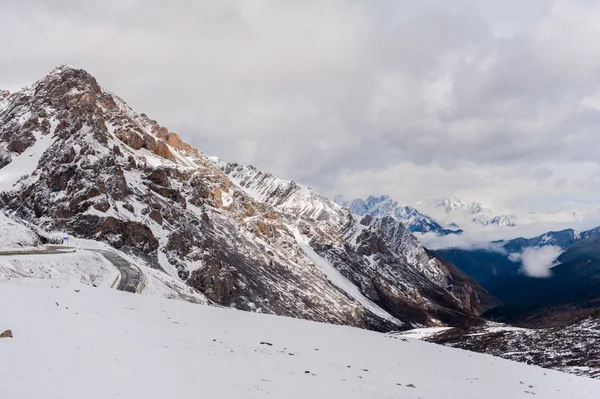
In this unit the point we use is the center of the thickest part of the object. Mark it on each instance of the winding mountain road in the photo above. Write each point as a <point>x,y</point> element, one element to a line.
<point>131,275</point>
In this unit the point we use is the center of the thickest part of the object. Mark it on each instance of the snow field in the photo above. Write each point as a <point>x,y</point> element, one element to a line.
<point>101,343</point>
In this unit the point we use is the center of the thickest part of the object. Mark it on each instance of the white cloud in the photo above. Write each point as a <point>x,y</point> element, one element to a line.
<point>352,97</point>
<point>537,261</point>
<point>514,257</point>
<point>478,238</point>
<point>482,237</point>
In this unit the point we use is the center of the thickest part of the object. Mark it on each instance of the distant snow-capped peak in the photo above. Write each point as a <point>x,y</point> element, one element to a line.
<point>383,205</point>
<point>452,203</point>
<point>454,211</point>
<point>442,216</point>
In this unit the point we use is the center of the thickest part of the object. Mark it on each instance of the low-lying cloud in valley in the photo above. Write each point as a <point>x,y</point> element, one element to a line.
<point>482,237</point>
<point>537,261</point>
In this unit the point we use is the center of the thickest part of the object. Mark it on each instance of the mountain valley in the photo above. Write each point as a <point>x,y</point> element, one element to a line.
<point>82,172</point>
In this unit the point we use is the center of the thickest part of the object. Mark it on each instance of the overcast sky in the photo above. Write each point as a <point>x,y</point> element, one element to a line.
<point>489,100</point>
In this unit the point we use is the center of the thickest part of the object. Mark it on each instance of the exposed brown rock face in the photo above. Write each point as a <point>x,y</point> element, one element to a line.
<point>175,141</point>
<point>131,138</point>
<point>169,193</point>
<point>107,101</point>
<point>267,230</point>
<point>205,217</point>
<point>159,147</point>
<point>6,334</point>
<point>116,187</point>
<point>129,207</point>
<point>212,196</point>
<point>91,193</point>
<point>156,216</point>
<point>62,126</point>
<point>122,233</point>
<point>215,281</point>
<point>102,206</point>
<point>162,132</point>
<point>60,178</point>
<point>68,157</point>
<point>20,144</point>
<point>162,150</point>
<point>160,177</point>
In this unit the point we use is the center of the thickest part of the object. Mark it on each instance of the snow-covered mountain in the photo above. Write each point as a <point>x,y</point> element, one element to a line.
<point>392,253</point>
<point>570,258</point>
<point>458,212</point>
<point>563,239</point>
<point>75,158</point>
<point>441,216</point>
<point>76,161</point>
<point>383,205</point>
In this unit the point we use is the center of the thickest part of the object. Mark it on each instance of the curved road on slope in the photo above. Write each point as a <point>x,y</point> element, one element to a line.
<point>131,275</point>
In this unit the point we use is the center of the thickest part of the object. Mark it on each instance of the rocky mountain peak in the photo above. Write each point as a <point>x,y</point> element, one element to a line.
<point>65,78</point>
<point>77,159</point>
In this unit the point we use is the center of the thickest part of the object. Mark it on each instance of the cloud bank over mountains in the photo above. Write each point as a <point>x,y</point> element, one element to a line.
<point>494,101</point>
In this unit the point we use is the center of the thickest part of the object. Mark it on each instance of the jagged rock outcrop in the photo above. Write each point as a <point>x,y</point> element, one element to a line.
<point>242,237</point>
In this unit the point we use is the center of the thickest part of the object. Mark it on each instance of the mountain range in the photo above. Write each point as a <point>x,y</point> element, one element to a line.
<point>77,159</point>
<point>452,215</point>
<point>454,210</point>
<point>383,205</point>
<point>573,279</point>
<point>562,238</point>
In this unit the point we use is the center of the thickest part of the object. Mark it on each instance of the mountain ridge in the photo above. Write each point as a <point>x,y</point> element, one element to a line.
<point>98,170</point>
<point>383,205</point>
<point>440,216</point>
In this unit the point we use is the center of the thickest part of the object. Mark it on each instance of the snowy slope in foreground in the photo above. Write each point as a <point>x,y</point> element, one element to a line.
<point>99,343</point>
<point>15,235</point>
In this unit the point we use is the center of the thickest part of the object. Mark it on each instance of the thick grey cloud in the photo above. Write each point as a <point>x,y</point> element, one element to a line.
<point>496,101</point>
